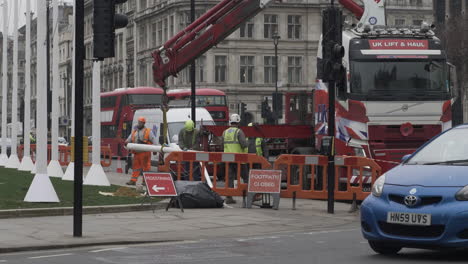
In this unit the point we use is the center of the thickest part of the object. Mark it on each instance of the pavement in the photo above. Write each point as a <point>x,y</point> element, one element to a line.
<point>138,224</point>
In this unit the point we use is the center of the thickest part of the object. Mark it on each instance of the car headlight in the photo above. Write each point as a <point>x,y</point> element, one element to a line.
<point>462,195</point>
<point>377,188</point>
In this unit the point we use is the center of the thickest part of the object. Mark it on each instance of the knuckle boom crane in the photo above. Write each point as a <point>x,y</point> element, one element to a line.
<point>204,33</point>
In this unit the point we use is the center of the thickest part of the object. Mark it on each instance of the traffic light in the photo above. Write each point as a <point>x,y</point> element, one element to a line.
<point>242,109</point>
<point>265,109</point>
<point>332,49</point>
<point>106,21</point>
<point>278,104</point>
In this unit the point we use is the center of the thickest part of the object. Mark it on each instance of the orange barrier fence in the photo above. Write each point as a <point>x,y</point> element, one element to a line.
<point>65,156</point>
<point>183,165</point>
<point>303,176</point>
<point>306,176</point>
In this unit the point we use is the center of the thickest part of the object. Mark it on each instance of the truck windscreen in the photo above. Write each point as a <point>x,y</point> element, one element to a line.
<point>399,80</point>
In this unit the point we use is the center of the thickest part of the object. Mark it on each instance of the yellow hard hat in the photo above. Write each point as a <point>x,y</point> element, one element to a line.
<point>189,125</point>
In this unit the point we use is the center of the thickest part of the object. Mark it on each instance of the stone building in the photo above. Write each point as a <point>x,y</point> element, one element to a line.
<point>242,65</point>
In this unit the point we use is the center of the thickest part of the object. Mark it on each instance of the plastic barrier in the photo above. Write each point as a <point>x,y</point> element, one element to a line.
<point>306,176</point>
<point>64,155</point>
<point>217,164</point>
<point>106,156</point>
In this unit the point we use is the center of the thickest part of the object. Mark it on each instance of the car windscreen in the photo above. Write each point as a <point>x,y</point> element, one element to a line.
<point>447,148</point>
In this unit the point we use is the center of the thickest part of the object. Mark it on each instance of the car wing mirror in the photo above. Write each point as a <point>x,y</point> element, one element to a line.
<point>405,158</point>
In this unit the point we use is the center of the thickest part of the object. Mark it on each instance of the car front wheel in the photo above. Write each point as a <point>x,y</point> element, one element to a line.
<point>384,248</point>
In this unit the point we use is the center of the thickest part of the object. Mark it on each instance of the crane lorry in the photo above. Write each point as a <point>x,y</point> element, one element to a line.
<point>398,90</point>
<point>397,93</point>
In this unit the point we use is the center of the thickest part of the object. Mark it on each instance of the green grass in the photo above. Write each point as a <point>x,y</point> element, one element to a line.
<point>15,184</point>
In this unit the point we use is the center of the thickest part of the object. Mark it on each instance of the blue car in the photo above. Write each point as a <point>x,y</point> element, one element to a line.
<point>423,202</point>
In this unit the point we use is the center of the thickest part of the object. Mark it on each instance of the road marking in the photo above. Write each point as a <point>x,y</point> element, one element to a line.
<point>106,249</point>
<point>51,256</point>
<point>330,231</point>
<point>284,236</point>
<point>1,260</point>
<point>168,243</point>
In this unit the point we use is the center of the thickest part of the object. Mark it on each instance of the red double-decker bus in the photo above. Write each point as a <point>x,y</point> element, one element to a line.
<point>212,100</point>
<point>117,109</point>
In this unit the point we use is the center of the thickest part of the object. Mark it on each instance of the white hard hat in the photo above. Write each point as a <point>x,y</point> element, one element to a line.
<point>235,118</point>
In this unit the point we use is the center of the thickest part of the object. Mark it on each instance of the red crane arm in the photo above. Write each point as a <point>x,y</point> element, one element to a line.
<point>356,9</point>
<point>205,32</point>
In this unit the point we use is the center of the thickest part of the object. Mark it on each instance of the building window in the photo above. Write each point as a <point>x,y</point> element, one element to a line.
<point>417,22</point>
<point>416,2</point>
<point>184,20</point>
<point>184,76</point>
<point>200,69</point>
<point>143,5</point>
<point>399,22</point>
<point>270,25</point>
<point>246,69</point>
<point>165,30</point>
<point>269,66</point>
<point>160,33</point>
<point>142,73</point>
<point>295,70</point>
<point>294,27</point>
<point>246,29</point>
<point>131,5</point>
<point>171,26</point>
<point>142,37</point>
<point>120,45</point>
<point>220,69</point>
<point>153,33</point>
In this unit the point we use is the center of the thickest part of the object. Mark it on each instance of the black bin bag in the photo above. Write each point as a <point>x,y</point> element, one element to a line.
<point>197,194</point>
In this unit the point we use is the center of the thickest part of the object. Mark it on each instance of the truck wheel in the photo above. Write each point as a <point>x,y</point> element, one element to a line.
<point>384,248</point>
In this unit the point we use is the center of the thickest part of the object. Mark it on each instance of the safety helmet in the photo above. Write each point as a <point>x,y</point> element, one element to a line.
<point>141,119</point>
<point>250,124</point>
<point>235,118</point>
<point>189,125</point>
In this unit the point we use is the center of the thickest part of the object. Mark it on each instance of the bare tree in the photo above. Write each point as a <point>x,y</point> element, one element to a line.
<point>451,27</point>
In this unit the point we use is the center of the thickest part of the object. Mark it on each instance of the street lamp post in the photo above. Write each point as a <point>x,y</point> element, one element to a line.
<point>276,38</point>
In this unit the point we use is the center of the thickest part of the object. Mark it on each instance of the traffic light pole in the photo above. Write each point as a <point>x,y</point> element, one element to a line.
<point>331,156</point>
<point>276,38</point>
<point>332,54</point>
<point>192,68</point>
<point>78,151</point>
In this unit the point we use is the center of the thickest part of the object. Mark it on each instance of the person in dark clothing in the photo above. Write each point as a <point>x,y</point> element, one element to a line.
<point>189,139</point>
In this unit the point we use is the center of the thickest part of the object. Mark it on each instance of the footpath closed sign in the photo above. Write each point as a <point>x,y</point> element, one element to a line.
<point>159,184</point>
<point>264,181</point>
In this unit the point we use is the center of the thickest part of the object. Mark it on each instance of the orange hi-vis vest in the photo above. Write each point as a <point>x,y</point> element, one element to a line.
<point>146,136</point>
